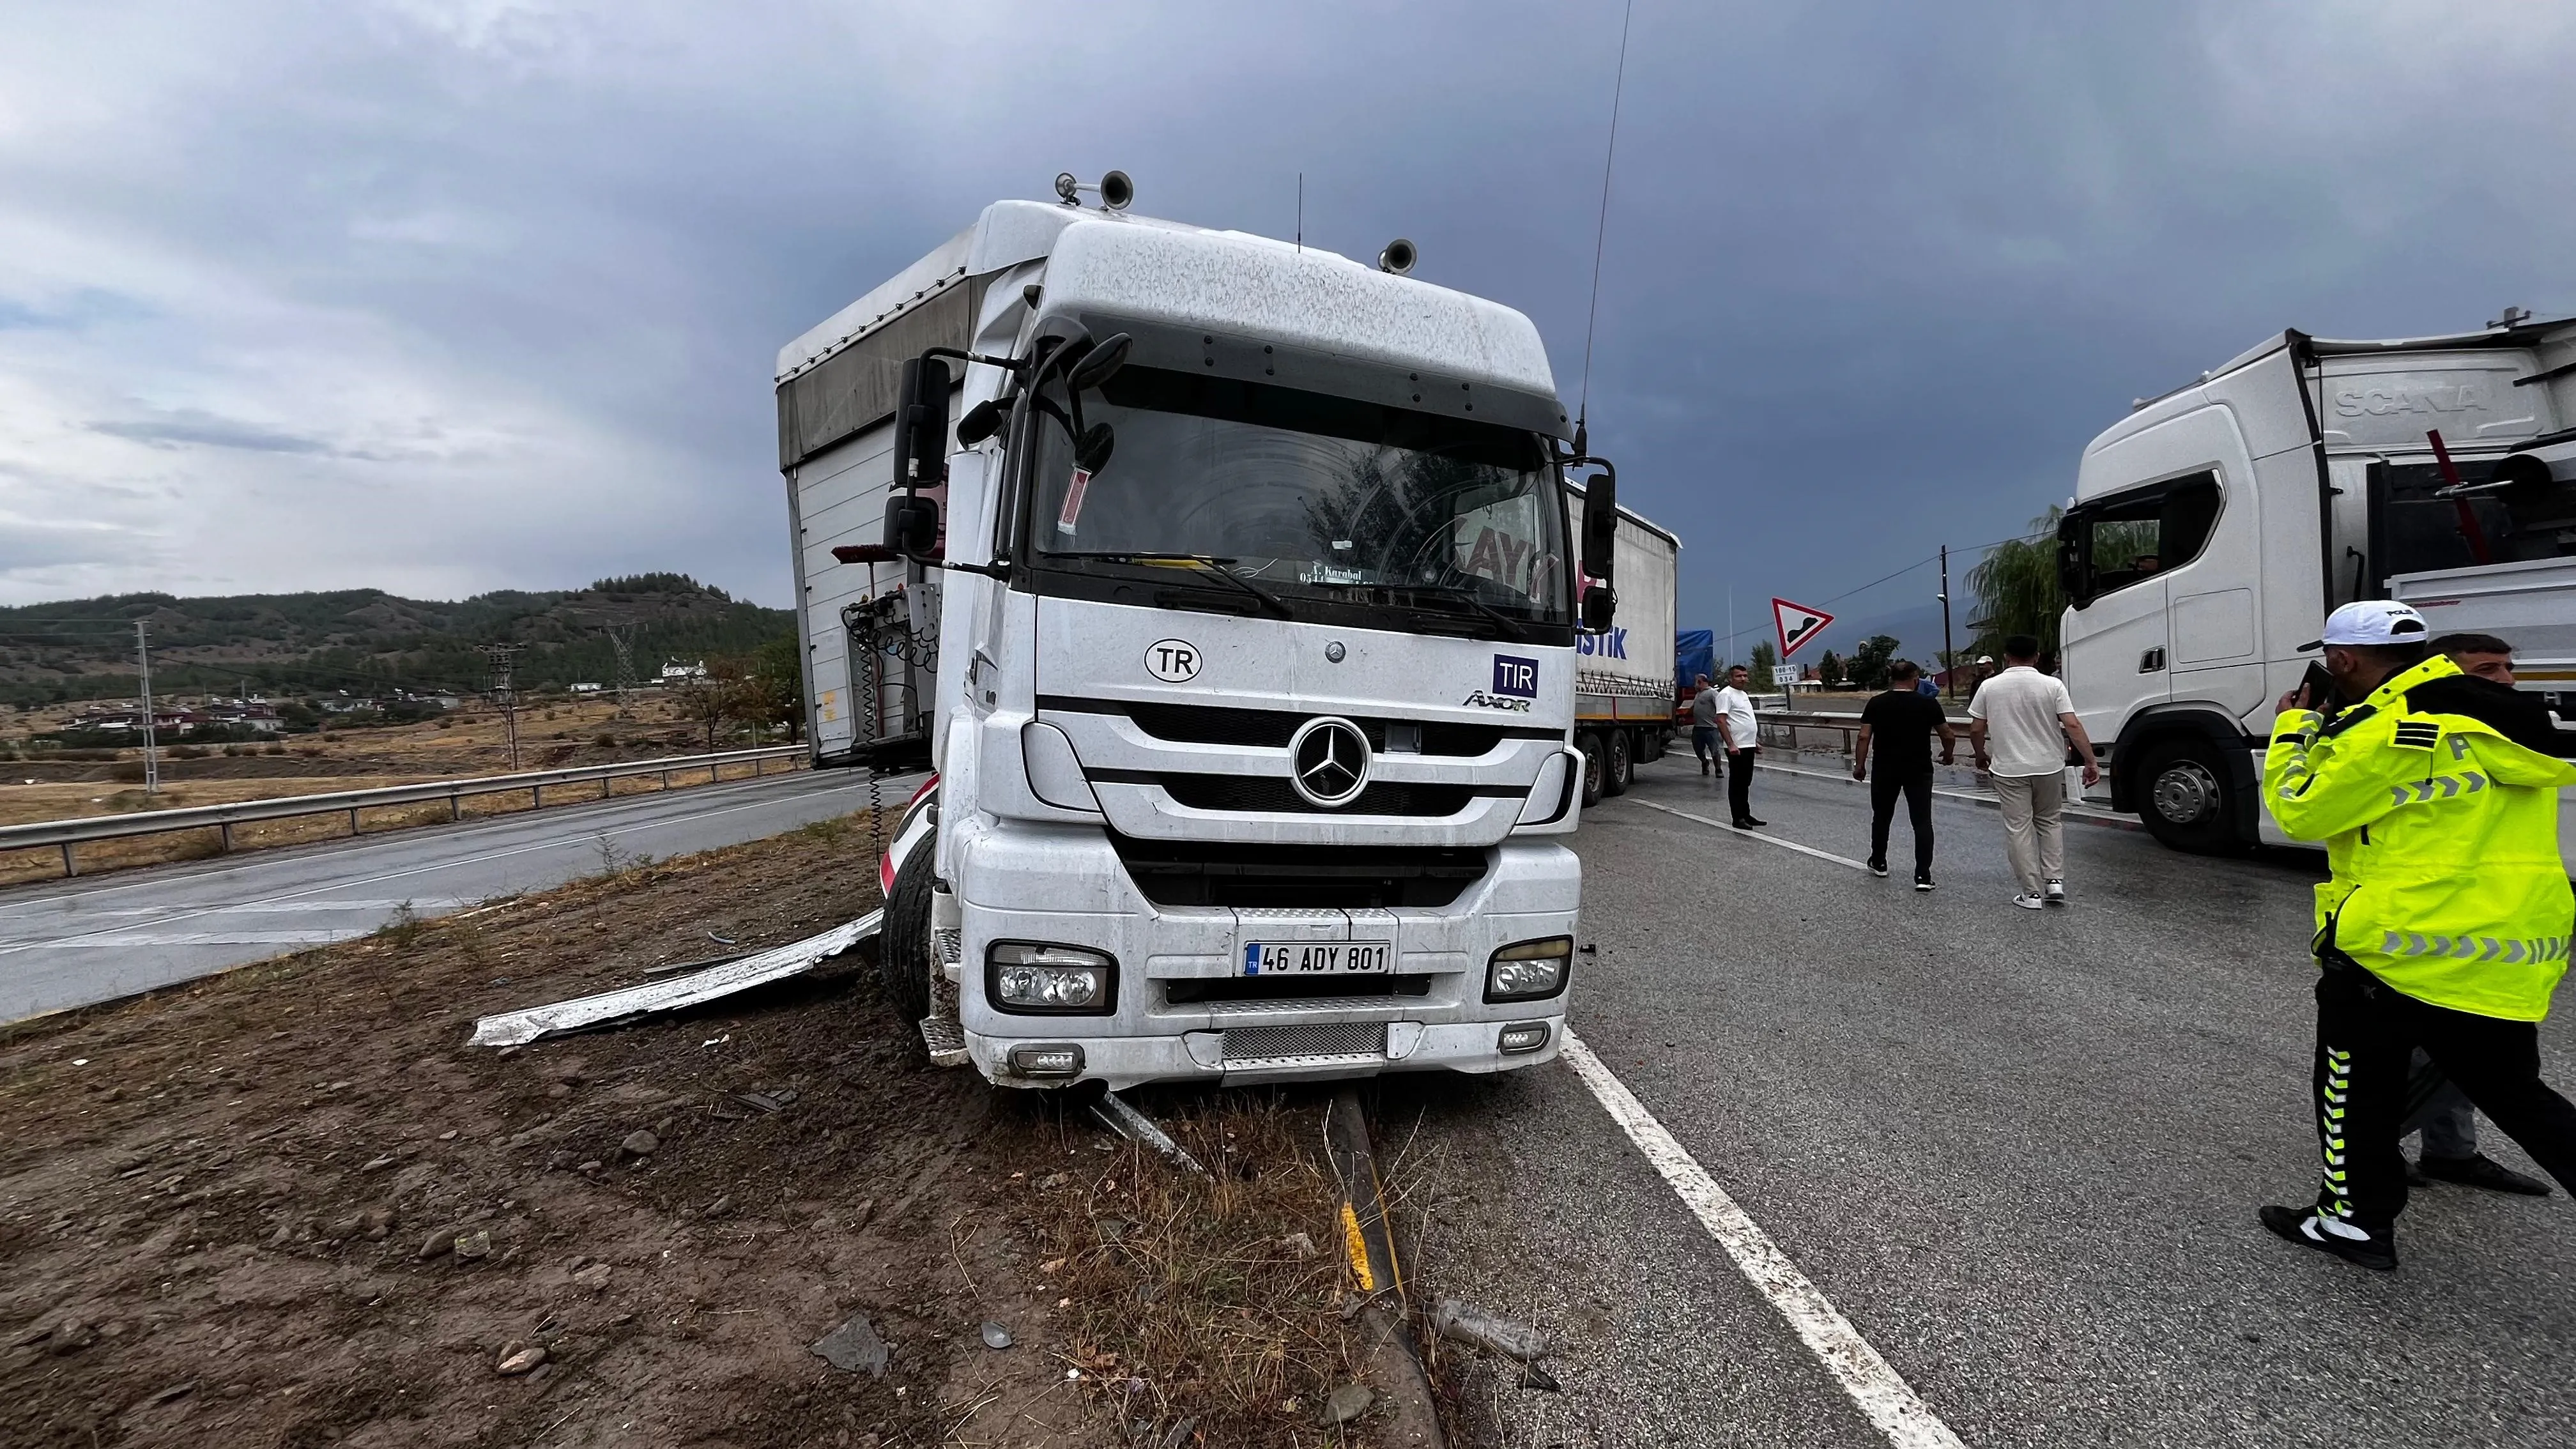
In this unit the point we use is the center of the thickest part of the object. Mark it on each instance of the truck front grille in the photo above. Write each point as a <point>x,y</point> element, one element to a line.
<point>1271,728</point>
<point>1302,877</point>
<point>1327,1039</point>
<point>1265,795</point>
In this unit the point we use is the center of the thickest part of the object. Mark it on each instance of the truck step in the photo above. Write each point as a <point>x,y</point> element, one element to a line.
<point>945,1039</point>
<point>952,952</point>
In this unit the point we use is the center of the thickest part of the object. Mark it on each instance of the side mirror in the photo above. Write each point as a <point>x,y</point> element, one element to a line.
<point>1091,452</point>
<point>2071,570</point>
<point>912,525</point>
<point>1600,525</point>
<point>982,421</point>
<point>921,425</point>
<point>1600,607</point>
<point>1101,364</point>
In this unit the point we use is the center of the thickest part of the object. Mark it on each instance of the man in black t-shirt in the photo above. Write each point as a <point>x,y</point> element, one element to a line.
<point>1898,726</point>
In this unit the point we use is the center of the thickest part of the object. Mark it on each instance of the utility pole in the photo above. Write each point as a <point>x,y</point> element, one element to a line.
<point>1949,661</point>
<point>621,637</point>
<point>498,657</point>
<point>151,752</point>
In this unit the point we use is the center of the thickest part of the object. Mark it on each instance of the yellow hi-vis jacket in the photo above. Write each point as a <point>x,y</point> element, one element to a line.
<point>2443,837</point>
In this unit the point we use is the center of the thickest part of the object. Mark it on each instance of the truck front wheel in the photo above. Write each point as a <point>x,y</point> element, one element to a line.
<point>2186,798</point>
<point>904,954</point>
<point>1590,744</point>
<point>1621,765</point>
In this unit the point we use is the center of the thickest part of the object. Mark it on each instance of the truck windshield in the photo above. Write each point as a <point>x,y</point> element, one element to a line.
<point>1307,496</point>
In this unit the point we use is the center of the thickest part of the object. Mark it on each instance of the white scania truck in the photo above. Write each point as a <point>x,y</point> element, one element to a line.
<point>2214,528</point>
<point>1227,586</point>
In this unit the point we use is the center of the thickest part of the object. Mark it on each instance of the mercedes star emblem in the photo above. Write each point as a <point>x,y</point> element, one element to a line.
<point>1328,760</point>
<point>1333,652</point>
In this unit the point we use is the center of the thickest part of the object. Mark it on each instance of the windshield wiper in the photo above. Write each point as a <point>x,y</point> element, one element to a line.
<point>1209,562</point>
<point>1468,597</point>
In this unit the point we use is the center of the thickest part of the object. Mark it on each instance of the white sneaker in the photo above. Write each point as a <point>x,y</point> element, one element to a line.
<point>2057,893</point>
<point>2028,902</point>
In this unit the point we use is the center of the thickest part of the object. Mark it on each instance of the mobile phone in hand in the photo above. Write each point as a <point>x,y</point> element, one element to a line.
<point>2319,685</point>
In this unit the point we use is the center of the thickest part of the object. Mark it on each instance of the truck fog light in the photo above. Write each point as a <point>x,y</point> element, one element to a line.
<point>1053,1060</point>
<point>1035,977</point>
<point>1529,970</point>
<point>1520,1036</point>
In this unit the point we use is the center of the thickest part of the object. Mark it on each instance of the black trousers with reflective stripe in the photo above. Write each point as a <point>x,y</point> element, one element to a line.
<point>2367,1033</point>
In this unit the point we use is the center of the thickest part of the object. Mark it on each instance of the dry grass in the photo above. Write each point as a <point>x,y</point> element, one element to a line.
<point>1192,1301</point>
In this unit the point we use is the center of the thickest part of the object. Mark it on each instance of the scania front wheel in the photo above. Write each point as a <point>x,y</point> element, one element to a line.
<point>2186,797</point>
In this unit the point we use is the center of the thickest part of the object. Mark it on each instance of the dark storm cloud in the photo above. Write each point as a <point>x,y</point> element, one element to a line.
<point>1873,276</point>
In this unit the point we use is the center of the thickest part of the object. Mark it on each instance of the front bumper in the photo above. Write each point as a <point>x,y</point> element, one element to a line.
<point>1066,885</point>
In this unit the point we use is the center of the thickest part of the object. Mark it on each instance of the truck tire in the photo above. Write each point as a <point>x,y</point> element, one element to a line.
<point>2186,797</point>
<point>904,951</point>
<point>1621,765</point>
<point>1593,767</point>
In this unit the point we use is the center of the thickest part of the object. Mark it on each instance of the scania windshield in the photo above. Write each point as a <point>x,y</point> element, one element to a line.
<point>1322,504</point>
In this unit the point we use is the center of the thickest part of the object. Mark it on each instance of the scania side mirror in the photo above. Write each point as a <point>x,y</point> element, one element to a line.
<point>912,525</point>
<point>1600,607</point>
<point>1600,524</point>
<point>1101,363</point>
<point>2071,571</point>
<point>921,425</point>
<point>982,421</point>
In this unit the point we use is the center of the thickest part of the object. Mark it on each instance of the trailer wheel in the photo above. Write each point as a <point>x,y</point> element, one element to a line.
<point>2187,800</point>
<point>1590,744</point>
<point>904,954</point>
<point>1621,766</point>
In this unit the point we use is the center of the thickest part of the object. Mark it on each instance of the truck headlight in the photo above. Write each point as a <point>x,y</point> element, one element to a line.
<point>1035,977</point>
<point>1529,970</point>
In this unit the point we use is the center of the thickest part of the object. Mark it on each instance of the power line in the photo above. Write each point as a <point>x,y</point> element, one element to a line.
<point>1601,230</point>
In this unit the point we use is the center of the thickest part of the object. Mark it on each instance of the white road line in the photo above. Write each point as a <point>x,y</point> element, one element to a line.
<point>1757,835</point>
<point>559,843</point>
<point>1881,1394</point>
<point>2088,815</point>
<point>422,905</point>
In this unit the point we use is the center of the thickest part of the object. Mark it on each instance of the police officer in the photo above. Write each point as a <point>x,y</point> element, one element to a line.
<point>2445,924</point>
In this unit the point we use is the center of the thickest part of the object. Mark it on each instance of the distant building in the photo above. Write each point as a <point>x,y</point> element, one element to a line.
<point>676,673</point>
<point>585,689</point>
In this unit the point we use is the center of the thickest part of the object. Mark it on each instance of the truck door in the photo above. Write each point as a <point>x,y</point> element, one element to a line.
<point>2115,639</point>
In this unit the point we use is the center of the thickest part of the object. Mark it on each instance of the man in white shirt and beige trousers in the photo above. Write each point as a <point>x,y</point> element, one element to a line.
<point>2028,719</point>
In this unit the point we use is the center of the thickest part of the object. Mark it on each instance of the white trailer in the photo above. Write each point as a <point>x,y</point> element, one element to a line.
<point>1623,679</point>
<point>2213,529</point>
<point>1227,586</point>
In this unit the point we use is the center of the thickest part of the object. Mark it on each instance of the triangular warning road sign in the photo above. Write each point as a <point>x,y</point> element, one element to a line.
<point>1798,624</point>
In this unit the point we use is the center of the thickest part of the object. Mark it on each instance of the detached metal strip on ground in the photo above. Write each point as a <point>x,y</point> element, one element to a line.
<point>516,1028</point>
<point>1881,1394</point>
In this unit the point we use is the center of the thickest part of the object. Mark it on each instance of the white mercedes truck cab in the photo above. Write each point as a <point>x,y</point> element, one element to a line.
<point>2214,528</point>
<point>1227,587</point>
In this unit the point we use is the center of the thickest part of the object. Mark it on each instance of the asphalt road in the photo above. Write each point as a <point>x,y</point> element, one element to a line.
<point>2020,1152</point>
<point>71,943</point>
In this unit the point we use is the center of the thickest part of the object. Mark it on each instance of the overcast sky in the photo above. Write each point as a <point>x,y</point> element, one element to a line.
<point>450,297</point>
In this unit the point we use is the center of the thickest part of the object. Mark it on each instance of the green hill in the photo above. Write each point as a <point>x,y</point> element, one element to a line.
<point>366,639</point>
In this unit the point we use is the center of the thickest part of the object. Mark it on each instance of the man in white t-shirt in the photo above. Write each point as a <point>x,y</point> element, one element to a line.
<point>1737,730</point>
<point>2028,719</point>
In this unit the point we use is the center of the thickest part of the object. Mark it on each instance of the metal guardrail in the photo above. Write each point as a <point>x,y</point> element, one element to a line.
<point>68,834</point>
<point>1781,728</point>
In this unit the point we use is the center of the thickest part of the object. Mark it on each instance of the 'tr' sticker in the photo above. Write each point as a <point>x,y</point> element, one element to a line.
<point>1072,510</point>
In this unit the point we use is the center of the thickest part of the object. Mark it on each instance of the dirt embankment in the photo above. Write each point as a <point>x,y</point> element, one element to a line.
<point>291,1207</point>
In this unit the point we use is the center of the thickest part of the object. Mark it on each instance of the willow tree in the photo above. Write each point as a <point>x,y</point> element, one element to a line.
<point>2017,590</point>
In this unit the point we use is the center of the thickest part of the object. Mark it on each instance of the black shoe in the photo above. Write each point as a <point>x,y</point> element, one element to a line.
<point>2479,1170</point>
<point>1878,868</point>
<point>1923,880</point>
<point>1749,820</point>
<point>2298,1225</point>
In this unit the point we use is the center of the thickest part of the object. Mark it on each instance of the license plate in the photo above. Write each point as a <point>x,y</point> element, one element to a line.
<point>1317,958</point>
